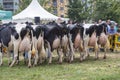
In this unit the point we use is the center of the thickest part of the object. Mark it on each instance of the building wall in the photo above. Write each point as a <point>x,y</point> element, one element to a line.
<point>62,7</point>
<point>10,5</point>
<point>59,7</point>
<point>1,3</point>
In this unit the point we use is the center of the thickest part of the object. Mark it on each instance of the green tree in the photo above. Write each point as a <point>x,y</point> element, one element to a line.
<point>44,4</point>
<point>23,4</point>
<point>116,11</point>
<point>107,9</point>
<point>78,10</point>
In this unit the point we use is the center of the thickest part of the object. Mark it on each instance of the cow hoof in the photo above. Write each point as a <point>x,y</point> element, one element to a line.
<point>88,55</point>
<point>96,58</point>
<point>69,61</point>
<point>29,66</point>
<point>1,64</point>
<point>49,63</point>
<point>104,57</point>
<point>9,64</point>
<point>65,60</point>
<point>34,65</point>
<point>40,63</point>
<point>81,59</point>
<point>60,62</point>
<point>17,62</point>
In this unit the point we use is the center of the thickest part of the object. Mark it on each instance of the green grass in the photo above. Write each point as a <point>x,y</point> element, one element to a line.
<point>108,69</point>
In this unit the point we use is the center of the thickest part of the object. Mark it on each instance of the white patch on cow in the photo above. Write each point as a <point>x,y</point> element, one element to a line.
<point>1,59</point>
<point>25,44</point>
<point>34,26</point>
<point>10,44</point>
<point>56,43</point>
<point>19,27</point>
<point>77,41</point>
<point>92,40</point>
<point>64,41</point>
<point>87,25</point>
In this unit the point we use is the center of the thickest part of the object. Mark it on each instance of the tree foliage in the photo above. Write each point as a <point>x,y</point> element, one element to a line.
<point>78,10</point>
<point>94,9</point>
<point>23,4</point>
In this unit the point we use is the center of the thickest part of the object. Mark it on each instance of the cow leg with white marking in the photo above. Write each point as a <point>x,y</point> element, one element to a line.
<point>96,51</point>
<point>71,54</point>
<point>1,56</point>
<point>60,54</point>
<point>49,53</point>
<point>41,49</point>
<point>16,49</point>
<point>29,59</point>
<point>36,58</point>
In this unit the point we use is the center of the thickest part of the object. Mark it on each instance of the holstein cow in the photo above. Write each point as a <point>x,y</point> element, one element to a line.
<point>56,38</point>
<point>76,31</point>
<point>24,43</point>
<point>103,38</point>
<point>38,43</point>
<point>90,40</point>
<point>7,36</point>
<point>66,42</point>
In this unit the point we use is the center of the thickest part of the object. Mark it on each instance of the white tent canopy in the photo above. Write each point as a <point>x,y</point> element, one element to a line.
<point>34,10</point>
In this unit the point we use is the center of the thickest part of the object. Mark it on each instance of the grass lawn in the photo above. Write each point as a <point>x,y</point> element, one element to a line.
<point>108,69</point>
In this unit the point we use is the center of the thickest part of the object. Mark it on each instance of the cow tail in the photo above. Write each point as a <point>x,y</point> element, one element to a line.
<point>31,35</point>
<point>49,49</point>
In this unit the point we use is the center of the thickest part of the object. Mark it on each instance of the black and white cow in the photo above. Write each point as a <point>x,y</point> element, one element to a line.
<point>103,37</point>
<point>24,43</point>
<point>38,43</point>
<point>77,31</point>
<point>90,40</point>
<point>8,34</point>
<point>56,36</point>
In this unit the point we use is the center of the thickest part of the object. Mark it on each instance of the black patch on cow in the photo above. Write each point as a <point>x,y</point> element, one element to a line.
<point>14,32</point>
<point>27,29</point>
<point>5,33</point>
<point>5,36</point>
<point>91,29</point>
<point>51,31</point>
<point>101,28</point>
<point>75,30</point>
<point>38,30</point>
<point>23,32</point>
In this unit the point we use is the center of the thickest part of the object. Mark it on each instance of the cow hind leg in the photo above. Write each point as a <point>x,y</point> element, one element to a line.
<point>50,58</point>
<point>81,56</point>
<point>36,58</point>
<point>49,54</point>
<point>104,57</point>
<point>96,51</point>
<point>29,59</point>
<point>96,54</point>
<point>60,55</point>
<point>65,54</point>
<point>14,60</point>
<point>9,60</point>
<point>1,56</point>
